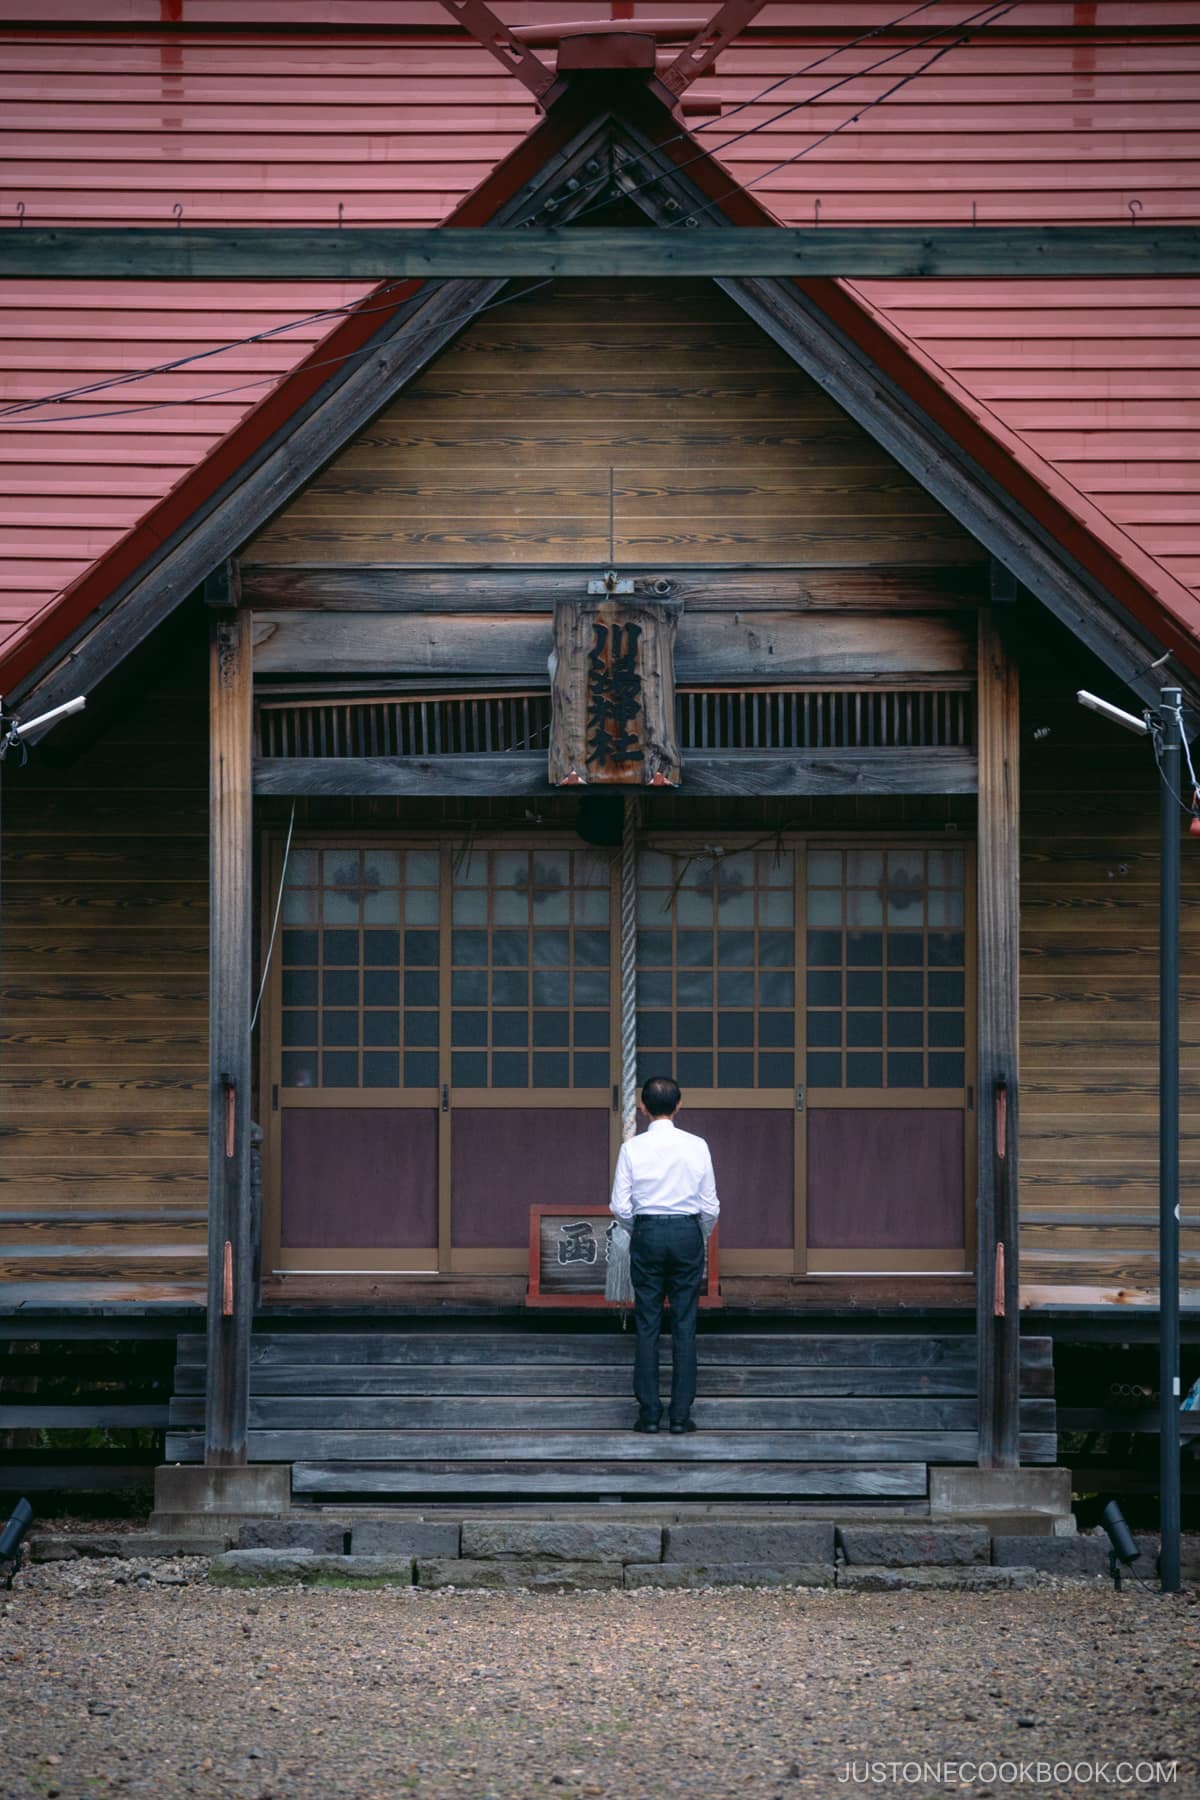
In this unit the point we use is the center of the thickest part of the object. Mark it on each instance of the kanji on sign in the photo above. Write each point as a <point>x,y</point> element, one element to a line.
<point>614,693</point>
<point>577,1243</point>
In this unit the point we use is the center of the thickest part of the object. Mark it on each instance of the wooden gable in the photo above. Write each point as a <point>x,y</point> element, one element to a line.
<point>638,422</point>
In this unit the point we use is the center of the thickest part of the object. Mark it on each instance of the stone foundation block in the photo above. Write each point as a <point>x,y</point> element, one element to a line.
<point>1060,1555</point>
<point>247,1490</point>
<point>969,1578</point>
<point>219,1529</point>
<point>548,1575</point>
<point>404,1537</point>
<point>965,1490</point>
<point>569,1540</point>
<point>50,1546</point>
<point>1015,1524</point>
<point>322,1535</point>
<point>893,1547</point>
<point>263,1568</point>
<point>783,1541</point>
<point>743,1574</point>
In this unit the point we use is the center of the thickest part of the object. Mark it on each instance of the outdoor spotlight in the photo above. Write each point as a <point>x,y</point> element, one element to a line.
<point>12,731</point>
<point>1107,710</point>
<point>1123,1549</point>
<point>12,1548</point>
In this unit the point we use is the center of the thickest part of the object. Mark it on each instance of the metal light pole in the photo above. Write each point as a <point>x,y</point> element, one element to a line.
<point>1168,1140</point>
<point>1167,734</point>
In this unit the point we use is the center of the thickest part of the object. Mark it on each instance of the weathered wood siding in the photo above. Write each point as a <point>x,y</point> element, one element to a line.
<point>664,398</point>
<point>103,1032</point>
<point>1089,989</point>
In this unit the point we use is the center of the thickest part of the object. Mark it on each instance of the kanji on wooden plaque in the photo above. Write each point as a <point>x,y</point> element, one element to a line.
<point>613,687</point>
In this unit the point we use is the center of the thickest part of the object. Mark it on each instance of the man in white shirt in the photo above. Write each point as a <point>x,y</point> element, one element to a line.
<point>664,1193</point>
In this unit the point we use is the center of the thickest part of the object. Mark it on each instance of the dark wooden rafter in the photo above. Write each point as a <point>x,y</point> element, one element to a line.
<point>481,22</point>
<point>696,58</point>
<point>231,1233</point>
<point>445,252</point>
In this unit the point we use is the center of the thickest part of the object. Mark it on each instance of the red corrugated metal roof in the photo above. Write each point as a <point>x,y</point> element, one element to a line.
<point>1057,112</point>
<point>1099,383</point>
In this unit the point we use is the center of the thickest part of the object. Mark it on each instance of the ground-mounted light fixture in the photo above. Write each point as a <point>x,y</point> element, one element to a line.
<point>1123,1551</point>
<point>12,1548</point>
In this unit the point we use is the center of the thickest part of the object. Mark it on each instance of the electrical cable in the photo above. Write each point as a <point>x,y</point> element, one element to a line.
<point>266,970</point>
<point>745,186</point>
<point>817,62</point>
<point>24,407</point>
<point>964,27</point>
<point>345,311</point>
<point>1186,806</point>
<point>329,362</point>
<point>1187,757</point>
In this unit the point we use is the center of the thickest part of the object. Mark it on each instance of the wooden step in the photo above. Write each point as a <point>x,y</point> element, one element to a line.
<point>526,1378</point>
<point>588,1348</point>
<point>615,1412</point>
<point>635,1481</point>
<point>431,1407</point>
<point>626,1445</point>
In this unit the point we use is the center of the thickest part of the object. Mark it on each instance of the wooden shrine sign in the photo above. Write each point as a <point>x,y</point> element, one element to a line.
<point>613,692</point>
<point>568,1258</point>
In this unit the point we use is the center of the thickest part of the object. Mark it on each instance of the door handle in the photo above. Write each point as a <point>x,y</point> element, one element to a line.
<point>445,1096</point>
<point>799,1099</point>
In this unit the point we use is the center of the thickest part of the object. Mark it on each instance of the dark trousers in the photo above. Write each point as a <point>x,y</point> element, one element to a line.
<point>666,1258</point>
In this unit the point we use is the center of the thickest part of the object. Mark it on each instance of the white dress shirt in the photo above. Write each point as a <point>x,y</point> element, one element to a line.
<point>665,1171</point>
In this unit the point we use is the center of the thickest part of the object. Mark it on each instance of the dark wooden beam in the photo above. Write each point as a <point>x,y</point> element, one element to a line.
<point>712,647</point>
<point>525,772</point>
<point>366,253</point>
<point>231,1295</point>
<point>222,587</point>
<point>997,1299</point>
<point>361,587</point>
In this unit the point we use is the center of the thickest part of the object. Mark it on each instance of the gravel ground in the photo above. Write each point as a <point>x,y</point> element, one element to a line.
<point>138,1679</point>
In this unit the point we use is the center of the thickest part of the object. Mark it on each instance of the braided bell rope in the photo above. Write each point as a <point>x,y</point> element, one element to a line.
<point>629,968</point>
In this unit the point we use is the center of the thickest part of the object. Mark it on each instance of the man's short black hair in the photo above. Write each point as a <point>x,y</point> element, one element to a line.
<point>660,1096</point>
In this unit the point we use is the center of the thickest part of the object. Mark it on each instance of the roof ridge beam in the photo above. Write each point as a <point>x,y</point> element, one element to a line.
<point>447,252</point>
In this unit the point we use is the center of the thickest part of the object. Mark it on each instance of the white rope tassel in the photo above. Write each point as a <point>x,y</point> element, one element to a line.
<point>629,968</point>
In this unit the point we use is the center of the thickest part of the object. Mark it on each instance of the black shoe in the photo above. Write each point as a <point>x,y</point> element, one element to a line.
<point>685,1425</point>
<point>649,1426</point>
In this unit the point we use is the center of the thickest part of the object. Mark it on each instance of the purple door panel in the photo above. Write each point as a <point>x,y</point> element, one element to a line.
<point>359,1177</point>
<point>885,1180</point>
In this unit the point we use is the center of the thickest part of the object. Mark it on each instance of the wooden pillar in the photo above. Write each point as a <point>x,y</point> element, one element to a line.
<point>230,1224</point>
<point>997,1273</point>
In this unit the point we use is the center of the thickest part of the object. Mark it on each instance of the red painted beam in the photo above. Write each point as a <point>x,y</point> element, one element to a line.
<point>476,17</point>
<point>696,58</point>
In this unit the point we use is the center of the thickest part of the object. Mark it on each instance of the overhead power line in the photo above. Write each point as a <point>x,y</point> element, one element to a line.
<point>963,28</point>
